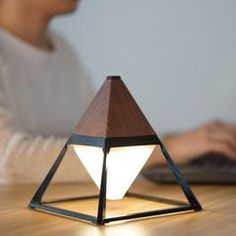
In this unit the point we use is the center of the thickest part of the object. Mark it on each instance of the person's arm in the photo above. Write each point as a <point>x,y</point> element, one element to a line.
<point>214,137</point>
<point>25,158</point>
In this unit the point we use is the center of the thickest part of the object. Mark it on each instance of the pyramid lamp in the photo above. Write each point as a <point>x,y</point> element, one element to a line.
<point>113,141</point>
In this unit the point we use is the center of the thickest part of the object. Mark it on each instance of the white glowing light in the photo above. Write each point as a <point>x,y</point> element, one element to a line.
<point>123,166</point>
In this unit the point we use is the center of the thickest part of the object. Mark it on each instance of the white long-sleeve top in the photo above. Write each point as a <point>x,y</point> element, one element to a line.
<point>42,96</point>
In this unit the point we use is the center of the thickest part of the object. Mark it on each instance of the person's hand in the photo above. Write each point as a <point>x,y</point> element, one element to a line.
<point>214,137</point>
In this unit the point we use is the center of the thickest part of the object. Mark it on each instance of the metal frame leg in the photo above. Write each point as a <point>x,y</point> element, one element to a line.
<point>103,189</point>
<point>43,187</point>
<point>181,181</point>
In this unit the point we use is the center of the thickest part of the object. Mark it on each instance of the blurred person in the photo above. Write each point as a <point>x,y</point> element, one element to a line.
<point>44,91</point>
<point>214,137</point>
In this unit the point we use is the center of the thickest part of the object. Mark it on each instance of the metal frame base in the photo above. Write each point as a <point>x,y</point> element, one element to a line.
<point>45,206</point>
<point>101,219</point>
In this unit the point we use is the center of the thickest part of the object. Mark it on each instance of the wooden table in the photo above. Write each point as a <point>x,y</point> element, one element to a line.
<point>217,218</point>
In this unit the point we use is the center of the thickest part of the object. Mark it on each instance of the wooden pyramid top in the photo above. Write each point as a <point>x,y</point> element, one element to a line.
<point>113,113</point>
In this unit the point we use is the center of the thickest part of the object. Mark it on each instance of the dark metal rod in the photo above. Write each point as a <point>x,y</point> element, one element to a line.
<point>157,199</point>
<point>70,199</point>
<point>103,187</point>
<point>42,188</point>
<point>181,181</point>
<point>113,142</point>
<point>64,212</point>
<point>148,214</point>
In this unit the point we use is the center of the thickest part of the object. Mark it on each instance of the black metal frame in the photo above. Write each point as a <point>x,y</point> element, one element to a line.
<point>100,219</point>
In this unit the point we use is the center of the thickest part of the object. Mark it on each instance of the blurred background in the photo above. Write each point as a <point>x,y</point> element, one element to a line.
<point>177,57</point>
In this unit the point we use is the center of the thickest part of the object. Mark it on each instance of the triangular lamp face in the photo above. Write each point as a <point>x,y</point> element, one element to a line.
<point>123,166</point>
<point>113,113</point>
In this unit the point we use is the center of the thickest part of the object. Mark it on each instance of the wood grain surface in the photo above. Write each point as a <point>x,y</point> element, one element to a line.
<point>217,218</point>
<point>113,113</point>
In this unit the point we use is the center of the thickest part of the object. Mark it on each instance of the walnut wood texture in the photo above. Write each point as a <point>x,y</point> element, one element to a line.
<point>217,218</point>
<point>113,113</point>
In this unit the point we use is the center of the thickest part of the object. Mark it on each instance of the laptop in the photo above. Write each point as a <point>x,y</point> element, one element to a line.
<point>206,169</point>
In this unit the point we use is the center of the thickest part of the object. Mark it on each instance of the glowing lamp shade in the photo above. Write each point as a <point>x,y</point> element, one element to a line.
<point>123,166</point>
<point>113,141</point>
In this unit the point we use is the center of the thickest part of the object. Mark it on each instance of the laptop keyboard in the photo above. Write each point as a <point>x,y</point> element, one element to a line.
<point>206,169</point>
<point>213,162</point>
